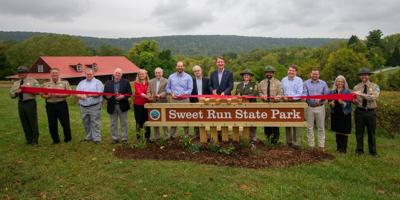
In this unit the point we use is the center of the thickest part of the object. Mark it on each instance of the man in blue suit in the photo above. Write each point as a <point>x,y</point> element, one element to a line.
<point>221,80</point>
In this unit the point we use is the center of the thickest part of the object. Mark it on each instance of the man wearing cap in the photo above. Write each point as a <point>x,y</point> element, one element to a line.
<point>118,105</point>
<point>156,92</point>
<point>270,91</point>
<point>315,113</point>
<point>248,88</point>
<point>221,80</point>
<point>90,106</point>
<point>292,86</point>
<point>26,105</point>
<point>365,113</point>
<point>57,107</point>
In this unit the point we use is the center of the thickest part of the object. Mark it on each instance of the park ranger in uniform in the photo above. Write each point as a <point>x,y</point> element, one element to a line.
<point>57,107</point>
<point>248,88</point>
<point>26,105</point>
<point>365,114</point>
<point>270,91</point>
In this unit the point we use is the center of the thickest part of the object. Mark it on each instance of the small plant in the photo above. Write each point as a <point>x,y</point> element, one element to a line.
<point>228,150</point>
<point>213,147</point>
<point>193,147</point>
<point>140,142</point>
<point>244,143</point>
<point>161,142</point>
<point>267,142</point>
<point>186,142</point>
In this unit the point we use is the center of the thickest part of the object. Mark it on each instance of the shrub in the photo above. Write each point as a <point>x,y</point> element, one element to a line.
<point>227,150</point>
<point>213,147</point>
<point>388,114</point>
<point>189,145</point>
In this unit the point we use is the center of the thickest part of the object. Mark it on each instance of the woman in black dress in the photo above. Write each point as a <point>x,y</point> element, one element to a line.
<point>340,114</point>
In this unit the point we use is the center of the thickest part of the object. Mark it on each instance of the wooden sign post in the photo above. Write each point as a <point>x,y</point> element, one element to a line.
<point>231,118</point>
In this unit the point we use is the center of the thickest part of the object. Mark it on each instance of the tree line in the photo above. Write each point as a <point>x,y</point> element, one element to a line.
<point>190,45</point>
<point>343,57</point>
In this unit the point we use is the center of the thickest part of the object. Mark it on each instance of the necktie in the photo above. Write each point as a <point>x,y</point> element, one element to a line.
<point>20,95</point>
<point>364,103</point>
<point>269,90</point>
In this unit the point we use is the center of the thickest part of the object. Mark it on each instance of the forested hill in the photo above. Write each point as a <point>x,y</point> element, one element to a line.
<point>192,44</point>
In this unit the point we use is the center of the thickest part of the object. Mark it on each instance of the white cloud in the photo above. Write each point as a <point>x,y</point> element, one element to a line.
<point>45,9</point>
<point>182,15</point>
<point>126,18</point>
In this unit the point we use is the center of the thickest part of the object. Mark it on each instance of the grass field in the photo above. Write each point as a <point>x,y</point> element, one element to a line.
<point>88,171</point>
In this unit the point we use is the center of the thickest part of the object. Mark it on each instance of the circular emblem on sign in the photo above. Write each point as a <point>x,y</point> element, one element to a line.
<point>155,114</point>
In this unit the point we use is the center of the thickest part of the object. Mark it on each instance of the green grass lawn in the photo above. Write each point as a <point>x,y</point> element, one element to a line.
<point>88,171</point>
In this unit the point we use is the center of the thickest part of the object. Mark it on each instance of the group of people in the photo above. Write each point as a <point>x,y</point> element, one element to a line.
<point>162,90</point>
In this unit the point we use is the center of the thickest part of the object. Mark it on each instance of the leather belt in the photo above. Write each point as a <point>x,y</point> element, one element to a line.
<point>90,105</point>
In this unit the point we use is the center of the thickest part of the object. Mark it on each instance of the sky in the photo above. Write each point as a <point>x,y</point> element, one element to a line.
<point>266,18</point>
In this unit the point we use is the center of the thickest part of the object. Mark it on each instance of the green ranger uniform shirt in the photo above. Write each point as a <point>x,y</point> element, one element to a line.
<point>250,89</point>
<point>275,88</point>
<point>28,82</point>
<point>60,84</point>
<point>371,95</point>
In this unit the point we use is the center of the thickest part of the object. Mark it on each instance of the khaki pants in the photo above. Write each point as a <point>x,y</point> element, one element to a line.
<point>293,136</point>
<point>185,129</point>
<point>317,115</point>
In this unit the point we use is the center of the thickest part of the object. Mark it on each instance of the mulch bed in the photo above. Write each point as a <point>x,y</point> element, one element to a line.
<point>263,157</point>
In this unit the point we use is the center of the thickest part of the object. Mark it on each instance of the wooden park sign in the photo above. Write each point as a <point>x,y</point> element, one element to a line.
<point>232,119</point>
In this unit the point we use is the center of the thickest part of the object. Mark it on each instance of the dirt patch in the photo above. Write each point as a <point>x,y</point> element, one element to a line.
<point>262,157</point>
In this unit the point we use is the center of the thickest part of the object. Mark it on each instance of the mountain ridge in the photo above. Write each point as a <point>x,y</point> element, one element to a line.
<point>192,45</point>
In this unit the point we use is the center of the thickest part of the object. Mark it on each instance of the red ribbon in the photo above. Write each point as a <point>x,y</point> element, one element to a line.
<point>344,97</point>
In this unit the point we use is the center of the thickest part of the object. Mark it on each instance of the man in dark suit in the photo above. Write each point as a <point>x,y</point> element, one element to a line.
<point>118,105</point>
<point>201,85</point>
<point>221,80</point>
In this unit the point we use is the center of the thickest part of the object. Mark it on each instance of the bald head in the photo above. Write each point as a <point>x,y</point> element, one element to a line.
<point>117,74</point>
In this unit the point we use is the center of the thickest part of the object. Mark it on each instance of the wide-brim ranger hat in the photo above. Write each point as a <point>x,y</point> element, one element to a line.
<point>269,68</point>
<point>364,71</point>
<point>246,71</point>
<point>22,69</point>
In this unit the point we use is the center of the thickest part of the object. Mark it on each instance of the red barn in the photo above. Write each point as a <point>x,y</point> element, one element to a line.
<point>72,67</point>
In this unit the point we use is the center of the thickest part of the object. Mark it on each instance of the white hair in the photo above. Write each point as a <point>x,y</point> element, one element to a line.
<point>195,67</point>
<point>340,77</point>
<point>159,69</point>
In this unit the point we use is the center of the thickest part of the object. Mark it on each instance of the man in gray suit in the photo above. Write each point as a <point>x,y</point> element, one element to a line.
<point>156,92</point>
